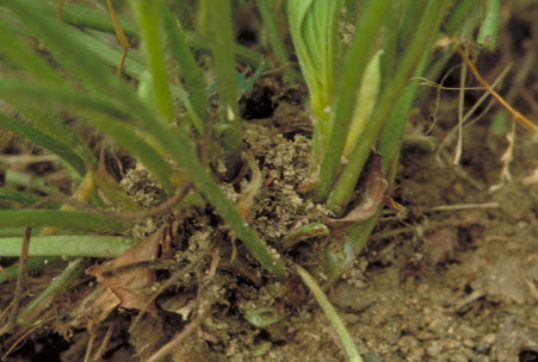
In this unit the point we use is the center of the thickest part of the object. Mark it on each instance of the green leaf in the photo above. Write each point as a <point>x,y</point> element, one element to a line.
<point>424,36</point>
<point>20,55</point>
<point>228,130</point>
<point>97,246</point>
<point>362,45</point>
<point>29,132</point>
<point>313,31</point>
<point>65,219</point>
<point>148,13</point>
<point>487,34</point>
<point>95,77</point>
<point>366,100</point>
<point>188,68</point>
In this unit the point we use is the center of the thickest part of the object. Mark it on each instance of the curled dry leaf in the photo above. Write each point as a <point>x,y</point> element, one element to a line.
<point>375,186</point>
<point>123,288</point>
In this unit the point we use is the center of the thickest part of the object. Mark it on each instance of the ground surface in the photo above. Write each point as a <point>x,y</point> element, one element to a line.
<point>453,277</point>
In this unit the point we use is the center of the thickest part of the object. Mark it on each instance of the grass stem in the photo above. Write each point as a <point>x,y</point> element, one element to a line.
<point>343,189</point>
<point>337,323</point>
<point>356,58</point>
<point>228,129</point>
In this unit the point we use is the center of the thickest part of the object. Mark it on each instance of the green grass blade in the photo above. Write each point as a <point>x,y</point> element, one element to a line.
<point>413,11</point>
<point>64,219</point>
<point>12,271</point>
<point>94,76</point>
<point>98,112</point>
<point>84,16</point>
<point>188,67</point>
<point>39,18</point>
<point>56,288</point>
<point>148,14</point>
<point>389,47</point>
<point>391,136</point>
<point>16,199</point>
<point>57,96</point>
<point>312,28</point>
<point>459,15</point>
<point>228,129</point>
<point>366,99</point>
<point>276,41</point>
<point>487,34</point>
<point>135,66</point>
<point>426,32</point>
<point>96,246</point>
<point>25,58</point>
<point>109,97</point>
<point>24,130</point>
<point>357,57</point>
<point>337,323</point>
<point>313,31</point>
<point>20,55</point>
<point>243,54</point>
<point>127,138</point>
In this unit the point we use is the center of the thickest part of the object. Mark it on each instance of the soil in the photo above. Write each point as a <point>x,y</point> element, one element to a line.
<point>449,274</point>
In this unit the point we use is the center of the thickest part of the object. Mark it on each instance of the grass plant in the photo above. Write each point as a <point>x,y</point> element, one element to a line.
<point>366,101</point>
<point>360,96</point>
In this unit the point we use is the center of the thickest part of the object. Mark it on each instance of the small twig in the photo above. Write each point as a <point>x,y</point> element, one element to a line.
<point>21,277</point>
<point>472,111</point>
<point>517,116</point>
<point>439,86</point>
<point>475,295</point>
<point>506,159</point>
<point>119,35</point>
<point>26,159</point>
<point>420,229</point>
<point>18,341</point>
<point>169,347</point>
<point>509,239</point>
<point>457,207</point>
<point>106,339</point>
<point>461,98</point>
<point>91,340</point>
<point>280,69</point>
<point>460,171</point>
<point>249,192</point>
<point>438,99</point>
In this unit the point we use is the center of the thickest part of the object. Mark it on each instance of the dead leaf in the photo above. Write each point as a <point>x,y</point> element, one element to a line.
<point>375,186</point>
<point>125,286</point>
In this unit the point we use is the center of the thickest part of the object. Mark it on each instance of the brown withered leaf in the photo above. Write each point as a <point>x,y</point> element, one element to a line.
<point>122,288</point>
<point>375,186</point>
